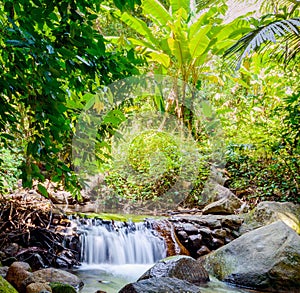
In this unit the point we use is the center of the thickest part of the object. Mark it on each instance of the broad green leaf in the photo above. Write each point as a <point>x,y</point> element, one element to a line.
<point>42,189</point>
<point>161,58</point>
<point>157,12</point>
<point>199,42</point>
<point>138,25</point>
<point>175,5</point>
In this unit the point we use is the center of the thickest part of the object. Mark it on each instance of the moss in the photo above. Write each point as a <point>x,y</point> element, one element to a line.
<point>6,287</point>
<point>117,217</point>
<point>61,288</point>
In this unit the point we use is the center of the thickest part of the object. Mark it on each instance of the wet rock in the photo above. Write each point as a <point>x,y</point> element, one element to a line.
<point>181,267</point>
<point>17,273</point>
<point>166,230</point>
<point>203,250</point>
<point>6,287</point>
<point>59,276</point>
<point>267,258</point>
<point>33,259</point>
<point>182,235</point>
<point>194,242</point>
<point>189,228</point>
<point>3,271</point>
<point>160,285</point>
<point>38,288</point>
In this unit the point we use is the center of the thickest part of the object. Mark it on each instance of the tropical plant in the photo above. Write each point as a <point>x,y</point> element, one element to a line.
<point>277,31</point>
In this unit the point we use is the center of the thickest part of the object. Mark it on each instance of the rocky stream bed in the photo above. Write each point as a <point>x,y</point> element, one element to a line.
<point>224,243</point>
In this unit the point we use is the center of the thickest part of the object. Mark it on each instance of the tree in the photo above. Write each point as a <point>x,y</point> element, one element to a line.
<point>51,55</point>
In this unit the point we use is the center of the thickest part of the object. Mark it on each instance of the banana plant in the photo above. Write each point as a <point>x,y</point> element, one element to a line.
<point>183,39</point>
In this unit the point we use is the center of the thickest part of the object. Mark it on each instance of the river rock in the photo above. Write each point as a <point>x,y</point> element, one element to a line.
<point>17,273</point>
<point>160,285</point>
<point>267,258</point>
<point>181,267</point>
<point>58,276</point>
<point>38,287</point>
<point>6,287</point>
<point>224,206</point>
<point>267,212</point>
<point>203,250</point>
<point>3,271</point>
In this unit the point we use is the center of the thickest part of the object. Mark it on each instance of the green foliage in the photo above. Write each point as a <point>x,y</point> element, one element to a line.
<point>51,54</point>
<point>9,163</point>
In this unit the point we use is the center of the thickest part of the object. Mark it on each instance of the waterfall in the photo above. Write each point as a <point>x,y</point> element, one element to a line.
<point>110,242</point>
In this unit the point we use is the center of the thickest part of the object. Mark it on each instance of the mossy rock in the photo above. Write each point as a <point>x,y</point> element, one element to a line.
<point>6,287</point>
<point>62,288</point>
<point>117,217</point>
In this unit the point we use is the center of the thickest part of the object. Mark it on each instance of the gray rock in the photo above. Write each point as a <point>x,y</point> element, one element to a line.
<point>58,276</point>
<point>160,285</point>
<point>181,267</point>
<point>267,212</point>
<point>189,228</point>
<point>224,206</point>
<point>267,258</point>
<point>3,271</point>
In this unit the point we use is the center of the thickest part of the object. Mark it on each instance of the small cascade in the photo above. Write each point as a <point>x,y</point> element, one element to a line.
<point>110,242</point>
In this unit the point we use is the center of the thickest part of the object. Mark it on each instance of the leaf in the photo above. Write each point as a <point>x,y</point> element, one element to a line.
<point>161,58</point>
<point>139,26</point>
<point>43,190</point>
<point>157,11</point>
<point>175,5</point>
<point>199,42</point>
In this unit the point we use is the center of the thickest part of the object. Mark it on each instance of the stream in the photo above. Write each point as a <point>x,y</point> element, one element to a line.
<point>114,254</point>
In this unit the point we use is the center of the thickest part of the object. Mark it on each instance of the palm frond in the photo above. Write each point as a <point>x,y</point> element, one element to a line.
<point>265,34</point>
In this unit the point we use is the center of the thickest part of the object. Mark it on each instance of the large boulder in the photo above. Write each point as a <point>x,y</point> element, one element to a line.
<point>181,267</point>
<point>224,206</point>
<point>17,273</point>
<point>58,276</point>
<point>267,258</point>
<point>6,287</point>
<point>160,285</point>
<point>218,199</point>
<point>267,212</point>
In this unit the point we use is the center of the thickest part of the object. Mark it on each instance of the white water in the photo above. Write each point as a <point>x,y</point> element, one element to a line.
<point>118,243</point>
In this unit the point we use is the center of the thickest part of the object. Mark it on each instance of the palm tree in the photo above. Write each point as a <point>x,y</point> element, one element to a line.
<point>277,29</point>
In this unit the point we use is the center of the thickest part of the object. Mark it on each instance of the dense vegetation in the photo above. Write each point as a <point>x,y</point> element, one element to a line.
<point>56,57</point>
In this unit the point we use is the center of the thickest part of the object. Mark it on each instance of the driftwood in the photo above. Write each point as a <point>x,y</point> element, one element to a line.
<point>30,223</point>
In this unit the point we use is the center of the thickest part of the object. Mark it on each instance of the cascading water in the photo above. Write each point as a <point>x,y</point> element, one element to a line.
<point>109,242</point>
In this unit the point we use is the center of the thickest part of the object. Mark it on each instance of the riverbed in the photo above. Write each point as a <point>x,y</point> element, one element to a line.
<point>111,278</point>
